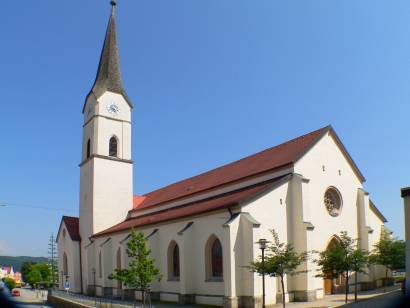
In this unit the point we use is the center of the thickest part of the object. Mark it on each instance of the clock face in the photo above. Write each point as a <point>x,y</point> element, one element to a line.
<point>113,109</point>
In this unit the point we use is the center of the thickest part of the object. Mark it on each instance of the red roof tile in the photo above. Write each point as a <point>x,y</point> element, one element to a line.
<point>72,225</point>
<point>270,159</point>
<point>194,208</point>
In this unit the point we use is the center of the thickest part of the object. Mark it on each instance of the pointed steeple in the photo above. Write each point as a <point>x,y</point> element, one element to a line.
<point>109,73</point>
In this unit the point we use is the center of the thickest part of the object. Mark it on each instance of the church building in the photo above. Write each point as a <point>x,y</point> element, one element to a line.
<point>203,231</point>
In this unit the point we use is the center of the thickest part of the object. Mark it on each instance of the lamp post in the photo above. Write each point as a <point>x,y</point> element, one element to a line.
<point>262,246</point>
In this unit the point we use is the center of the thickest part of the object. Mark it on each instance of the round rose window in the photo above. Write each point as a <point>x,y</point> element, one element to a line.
<point>333,201</point>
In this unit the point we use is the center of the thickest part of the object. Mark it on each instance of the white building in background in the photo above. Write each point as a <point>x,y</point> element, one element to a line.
<point>203,230</point>
<point>405,194</point>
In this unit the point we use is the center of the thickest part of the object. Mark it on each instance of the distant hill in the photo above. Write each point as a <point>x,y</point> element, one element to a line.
<point>16,262</point>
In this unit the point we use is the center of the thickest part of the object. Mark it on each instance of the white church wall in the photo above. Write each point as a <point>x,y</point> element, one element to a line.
<point>109,98</point>
<point>325,166</point>
<point>72,251</point>
<point>270,211</point>
<point>112,188</point>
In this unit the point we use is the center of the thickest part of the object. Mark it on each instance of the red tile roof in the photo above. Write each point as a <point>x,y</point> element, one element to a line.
<point>72,225</point>
<point>270,159</point>
<point>194,208</point>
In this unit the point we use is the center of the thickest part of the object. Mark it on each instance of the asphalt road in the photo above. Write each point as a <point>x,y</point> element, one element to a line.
<point>30,298</point>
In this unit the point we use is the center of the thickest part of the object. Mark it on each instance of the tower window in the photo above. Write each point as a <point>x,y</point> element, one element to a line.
<point>113,147</point>
<point>88,149</point>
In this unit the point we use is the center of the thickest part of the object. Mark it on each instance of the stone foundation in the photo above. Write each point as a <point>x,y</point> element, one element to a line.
<point>303,296</point>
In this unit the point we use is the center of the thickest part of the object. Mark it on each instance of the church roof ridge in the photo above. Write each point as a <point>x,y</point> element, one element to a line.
<point>273,158</point>
<point>108,77</point>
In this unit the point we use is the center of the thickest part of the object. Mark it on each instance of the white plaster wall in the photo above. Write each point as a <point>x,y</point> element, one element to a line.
<point>270,211</point>
<point>72,250</point>
<point>326,153</point>
<point>112,193</point>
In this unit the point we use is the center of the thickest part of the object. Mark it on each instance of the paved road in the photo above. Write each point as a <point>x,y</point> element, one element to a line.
<point>31,298</point>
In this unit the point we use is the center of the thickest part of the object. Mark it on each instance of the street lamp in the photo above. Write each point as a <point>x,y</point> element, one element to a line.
<point>262,246</point>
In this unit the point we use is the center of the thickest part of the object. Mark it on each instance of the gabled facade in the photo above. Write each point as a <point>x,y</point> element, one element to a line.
<point>202,231</point>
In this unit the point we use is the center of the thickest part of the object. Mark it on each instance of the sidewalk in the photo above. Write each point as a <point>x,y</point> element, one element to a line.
<point>338,300</point>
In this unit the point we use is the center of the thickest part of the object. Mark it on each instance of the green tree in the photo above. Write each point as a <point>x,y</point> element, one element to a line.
<point>389,252</point>
<point>343,259</point>
<point>39,273</point>
<point>9,283</point>
<point>281,259</point>
<point>141,271</point>
<point>25,269</point>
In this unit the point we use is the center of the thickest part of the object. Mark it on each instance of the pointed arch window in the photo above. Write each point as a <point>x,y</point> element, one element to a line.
<point>99,265</point>
<point>113,147</point>
<point>214,259</point>
<point>65,264</point>
<point>88,149</point>
<point>173,261</point>
<point>119,284</point>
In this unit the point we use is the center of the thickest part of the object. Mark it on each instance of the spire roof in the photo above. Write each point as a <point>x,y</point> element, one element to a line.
<point>109,73</point>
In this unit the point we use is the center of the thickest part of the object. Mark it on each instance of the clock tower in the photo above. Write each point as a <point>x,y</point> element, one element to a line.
<point>106,188</point>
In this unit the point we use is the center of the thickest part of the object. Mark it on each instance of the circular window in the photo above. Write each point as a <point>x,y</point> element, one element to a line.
<point>333,201</point>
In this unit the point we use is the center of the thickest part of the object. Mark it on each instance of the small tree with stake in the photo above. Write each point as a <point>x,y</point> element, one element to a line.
<point>141,271</point>
<point>281,260</point>
<point>343,259</point>
<point>389,252</point>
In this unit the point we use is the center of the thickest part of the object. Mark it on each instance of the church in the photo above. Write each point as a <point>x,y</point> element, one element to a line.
<point>203,231</point>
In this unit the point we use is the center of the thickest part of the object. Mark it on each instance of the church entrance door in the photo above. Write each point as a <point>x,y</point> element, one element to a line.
<point>333,286</point>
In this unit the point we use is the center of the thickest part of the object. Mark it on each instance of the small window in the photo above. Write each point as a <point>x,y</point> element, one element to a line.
<point>64,233</point>
<point>113,147</point>
<point>333,201</point>
<point>88,149</point>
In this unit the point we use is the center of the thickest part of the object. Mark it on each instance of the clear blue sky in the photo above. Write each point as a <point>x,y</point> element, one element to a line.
<point>211,81</point>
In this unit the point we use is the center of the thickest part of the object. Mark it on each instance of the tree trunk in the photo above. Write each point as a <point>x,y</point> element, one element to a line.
<point>143,298</point>
<point>355,287</point>
<point>385,280</point>
<point>347,286</point>
<point>283,292</point>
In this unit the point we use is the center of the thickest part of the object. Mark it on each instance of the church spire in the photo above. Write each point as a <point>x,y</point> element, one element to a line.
<point>109,73</point>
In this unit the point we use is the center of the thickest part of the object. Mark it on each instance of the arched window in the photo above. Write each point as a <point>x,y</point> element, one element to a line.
<point>65,264</point>
<point>214,259</point>
<point>113,147</point>
<point>88,149</point>
<point>173,261</point>
<point>119,284</point>
<point>99,265</point>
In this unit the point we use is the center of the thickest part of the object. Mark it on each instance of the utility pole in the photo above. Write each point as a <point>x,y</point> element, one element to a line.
<point>52,251</point>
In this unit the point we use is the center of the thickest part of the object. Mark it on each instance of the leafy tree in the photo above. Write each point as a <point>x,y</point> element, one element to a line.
<point>40,272</point>
<point>343,259</point>
<point>34,277</point>
<point>9,283</point>
<point>280,260</point>
<point>141,271</point>
<point>25,269</point>
<point>389,252</point>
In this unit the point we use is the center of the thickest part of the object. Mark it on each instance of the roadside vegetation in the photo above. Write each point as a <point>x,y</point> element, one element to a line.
<point>345,259</point>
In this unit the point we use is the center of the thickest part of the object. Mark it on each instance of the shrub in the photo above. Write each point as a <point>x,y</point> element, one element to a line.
<point>10,283</point>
